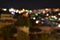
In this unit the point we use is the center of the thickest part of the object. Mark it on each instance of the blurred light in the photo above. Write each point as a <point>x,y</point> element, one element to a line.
<point>47,14</point>
<point>58,25</point>
<point>13,13</point>
<point>4,9</point>
<point>30,11</point>
<point>42,18</point>
<point>58,13</point>
<point>51,19</point>
<point>34,11</point>
<point>36,14</point>
<point>59,19</point>
<point>54,17</point>
<point>23,10</point>
<point>42,22</point>
<point>34,18</point>
<point>46,18</point>
<point>17,11</point>
<point>11,10</point>
<point>43,12</point>
<point>55,10</point>
<point>25,15</point>
<point>37,21</point>
<point>46,9</point>
<point>27,10</point>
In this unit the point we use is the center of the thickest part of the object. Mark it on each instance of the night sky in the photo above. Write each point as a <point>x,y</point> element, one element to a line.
<point>29,4</point>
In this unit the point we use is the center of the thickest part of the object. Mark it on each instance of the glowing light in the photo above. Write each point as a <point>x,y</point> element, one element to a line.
<point>59,19</point>
<point>36,14</point>
<point>26,10</point>
<point>52,16</point>
<point>26,15</point>
<point>37,21</point>
<point>30,11</point>
<point>23,9</point>
<point>58,13</point>
<point>46,9</point>
<point>55,17</point>
<point>4,9</point>
<point>58,25</point>
<point>13,13</point>
<point>17,11</point>
<point>11,10</point>
<point>52,19</point>
<point>43,12</point>
<point>34,18</point>
<point>55,10</point>
<point>47,14</point>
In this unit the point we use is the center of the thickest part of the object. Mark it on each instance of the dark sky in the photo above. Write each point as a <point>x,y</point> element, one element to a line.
<point>29,4</point>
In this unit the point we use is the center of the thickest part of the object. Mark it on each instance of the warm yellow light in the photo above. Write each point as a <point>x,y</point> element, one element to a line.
<point>4,9</point>
<point>37,21</point>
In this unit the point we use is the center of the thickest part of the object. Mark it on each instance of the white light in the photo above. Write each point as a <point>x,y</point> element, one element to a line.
<point>4,9</point>
<point>13,13</point>
<point>11,10</point>
<point>52,16</point>
<point>46,9</point>
<point>58,25</point>
<point>58,13</point>
<point>17,11</point>
<point>43,12</point>
<point>34,18</point>
<point>47,14</point>
<point>59,19</point>
<point>23,9</point>
<point>37,21</point>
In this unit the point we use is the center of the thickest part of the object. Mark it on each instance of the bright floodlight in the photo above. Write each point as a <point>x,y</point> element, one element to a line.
<point>58,25</point>
<point>4,9</point>
<point>58,13</point>
<point>37,21</point>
